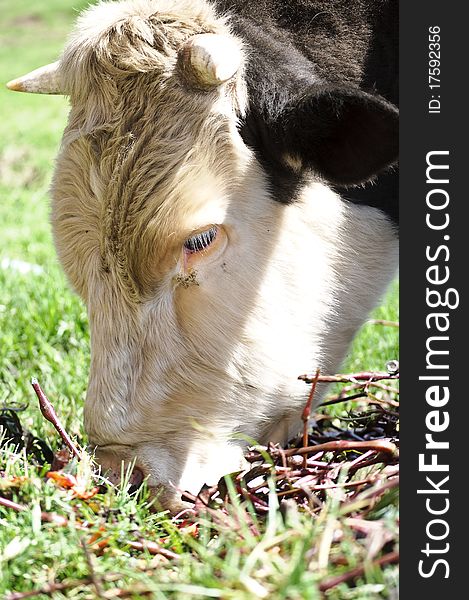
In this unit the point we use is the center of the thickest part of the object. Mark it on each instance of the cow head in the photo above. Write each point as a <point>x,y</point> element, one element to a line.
<point>206,297</point>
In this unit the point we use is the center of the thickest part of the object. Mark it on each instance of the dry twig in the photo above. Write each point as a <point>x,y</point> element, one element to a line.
<point>383,322</point>
<point>337,445</point>
<point>366,376</point>
<point>153,548</point>
<point>95,579</point>
<point>392,557</point>
<point>47,517</point>
<point>307,412</point>
<point>49,413</point>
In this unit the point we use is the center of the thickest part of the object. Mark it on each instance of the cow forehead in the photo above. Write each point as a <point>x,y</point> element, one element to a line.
<point>144,158</point>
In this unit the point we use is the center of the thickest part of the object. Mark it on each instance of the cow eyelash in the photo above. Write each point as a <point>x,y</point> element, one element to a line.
<point>201,241</point>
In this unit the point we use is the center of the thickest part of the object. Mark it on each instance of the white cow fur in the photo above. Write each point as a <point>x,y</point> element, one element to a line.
<point>177,371</point>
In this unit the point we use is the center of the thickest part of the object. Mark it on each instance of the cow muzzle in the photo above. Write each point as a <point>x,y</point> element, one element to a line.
<point>168,474</point>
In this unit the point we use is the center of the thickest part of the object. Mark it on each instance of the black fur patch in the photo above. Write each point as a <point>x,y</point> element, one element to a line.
<point>307,60</point>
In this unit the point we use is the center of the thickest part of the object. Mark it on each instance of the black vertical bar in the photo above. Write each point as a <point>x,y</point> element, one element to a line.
<point>434,269</point>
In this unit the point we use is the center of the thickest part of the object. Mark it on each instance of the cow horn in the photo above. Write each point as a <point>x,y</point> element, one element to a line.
<point>44,80</point>
<point>210,59</point>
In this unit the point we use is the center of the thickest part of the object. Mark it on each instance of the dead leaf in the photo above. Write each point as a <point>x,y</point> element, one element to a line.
<point>71,482</point>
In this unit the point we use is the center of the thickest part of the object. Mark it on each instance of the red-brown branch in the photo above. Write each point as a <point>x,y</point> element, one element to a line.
<point>49,589</point>
<point>383,322</point>
<point>349,378</point>
<point>95,579</point>
<point>49,413</point>
<point>392,557</point>
<point>153,548</point>
<point>306,415</point>
<point>47,517</point>
<point>343,445</point>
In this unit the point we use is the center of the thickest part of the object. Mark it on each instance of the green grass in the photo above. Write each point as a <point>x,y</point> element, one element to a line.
<point>44,333</point>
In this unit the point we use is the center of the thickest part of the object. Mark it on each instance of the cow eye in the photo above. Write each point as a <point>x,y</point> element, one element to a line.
<point>201,241</point>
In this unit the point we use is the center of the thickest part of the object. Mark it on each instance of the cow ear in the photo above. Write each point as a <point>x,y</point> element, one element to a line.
<point>345,135</point>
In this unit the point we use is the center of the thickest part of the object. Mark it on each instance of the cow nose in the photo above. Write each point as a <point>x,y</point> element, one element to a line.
<point>136,479</point>
<point>114,465</point>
